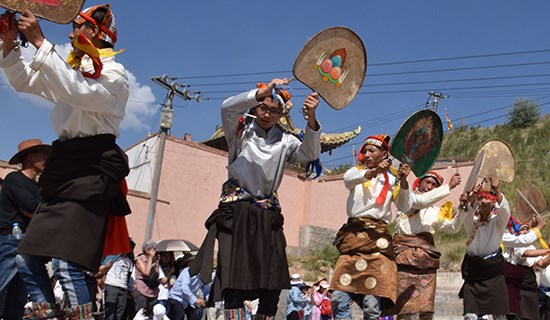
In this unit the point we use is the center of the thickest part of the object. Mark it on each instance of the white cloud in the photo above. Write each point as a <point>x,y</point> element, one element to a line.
<point>141,103</point>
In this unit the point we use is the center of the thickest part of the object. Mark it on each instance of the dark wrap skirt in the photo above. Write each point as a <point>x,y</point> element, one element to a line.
<point>522,291</point>
<point>484,289</point>
<point>251,250</point>
<point>79,188</point>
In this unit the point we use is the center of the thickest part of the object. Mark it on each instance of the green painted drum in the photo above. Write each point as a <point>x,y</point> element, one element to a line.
<point>418,141</point>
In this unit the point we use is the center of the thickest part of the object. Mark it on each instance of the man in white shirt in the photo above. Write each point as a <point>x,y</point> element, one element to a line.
<point>521,260</point>
<point>366,271</point>
<point>81,184</point>
<point>416,256</point>
<point>482,269</point>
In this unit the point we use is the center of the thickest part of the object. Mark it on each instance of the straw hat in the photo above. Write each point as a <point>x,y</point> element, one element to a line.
<point>316,283</point>
<point>31,145</point>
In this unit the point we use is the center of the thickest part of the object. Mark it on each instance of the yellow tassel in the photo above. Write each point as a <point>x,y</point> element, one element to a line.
<point>543,243</point>
<point>395,192</point>
<point>445,211</point>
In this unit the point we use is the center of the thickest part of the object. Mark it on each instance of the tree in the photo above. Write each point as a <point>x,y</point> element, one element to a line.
<point>523,114</point>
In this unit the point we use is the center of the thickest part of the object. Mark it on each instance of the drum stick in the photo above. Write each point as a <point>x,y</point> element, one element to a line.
<point>453,163</point>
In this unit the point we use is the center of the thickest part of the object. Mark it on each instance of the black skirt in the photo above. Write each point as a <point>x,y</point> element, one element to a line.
<point>252,249</point>
<point>79,188</point>
<point>484,289</point>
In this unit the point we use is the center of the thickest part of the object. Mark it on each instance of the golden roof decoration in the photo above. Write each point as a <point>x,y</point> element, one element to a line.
<point>329,141</point>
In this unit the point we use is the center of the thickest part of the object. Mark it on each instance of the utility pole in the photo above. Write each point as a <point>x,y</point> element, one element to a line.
<point>167,115</point>
<point>436,96</point>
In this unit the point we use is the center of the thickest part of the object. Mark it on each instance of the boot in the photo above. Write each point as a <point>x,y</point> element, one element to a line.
<point>81,312</point>
<point>234,314</point>
<point>43,310</point>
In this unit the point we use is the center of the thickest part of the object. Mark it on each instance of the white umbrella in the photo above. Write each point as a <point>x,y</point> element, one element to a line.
<point>167,245</point>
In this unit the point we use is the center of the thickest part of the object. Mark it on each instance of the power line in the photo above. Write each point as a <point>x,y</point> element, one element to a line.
<point>387,83</point>
<point>373,64</point>
<point>422,89</point>
<point>477,122</point>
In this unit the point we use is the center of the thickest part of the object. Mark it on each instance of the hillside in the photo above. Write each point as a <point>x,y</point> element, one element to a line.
<point>530,146</point>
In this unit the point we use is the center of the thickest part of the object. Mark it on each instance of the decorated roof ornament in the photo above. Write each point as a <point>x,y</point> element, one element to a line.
<point>329,141</point>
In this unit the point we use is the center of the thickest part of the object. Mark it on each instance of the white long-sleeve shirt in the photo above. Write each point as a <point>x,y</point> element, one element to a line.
<point>523,240</point>
<point>516,245</point>
<point>83,106</point>
<point>423,216</point>
<point>488,234</point>
<point>256,158</point>
<point>362,200</point>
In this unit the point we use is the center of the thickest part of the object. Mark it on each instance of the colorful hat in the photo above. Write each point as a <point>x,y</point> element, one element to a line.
<point>430,174</point>
<point>280,95</point>
<point>31,145</point>
<point>486,194</point>
<point>108,25</point>
<point>513,225</point>
<point>376,140</point>
<point>435,175</point>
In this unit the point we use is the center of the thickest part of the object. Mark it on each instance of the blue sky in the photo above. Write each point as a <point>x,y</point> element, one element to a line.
<point>483,54</point>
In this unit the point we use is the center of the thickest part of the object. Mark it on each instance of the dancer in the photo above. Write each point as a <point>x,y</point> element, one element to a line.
<point>366,271</point>
<point>80,185</point>
<point>248,222</point>
<point>416,256</point>
<point>482,269</point>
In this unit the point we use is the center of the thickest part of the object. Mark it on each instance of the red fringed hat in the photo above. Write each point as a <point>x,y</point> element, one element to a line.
<point>380,140</point>
<point>486,194</point>
<point>435,175</point>
<point>429,174</point>
<point>108,25</point>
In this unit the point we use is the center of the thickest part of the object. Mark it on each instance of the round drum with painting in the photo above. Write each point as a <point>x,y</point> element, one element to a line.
<point>333,63</point>
<point>418,141</point>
